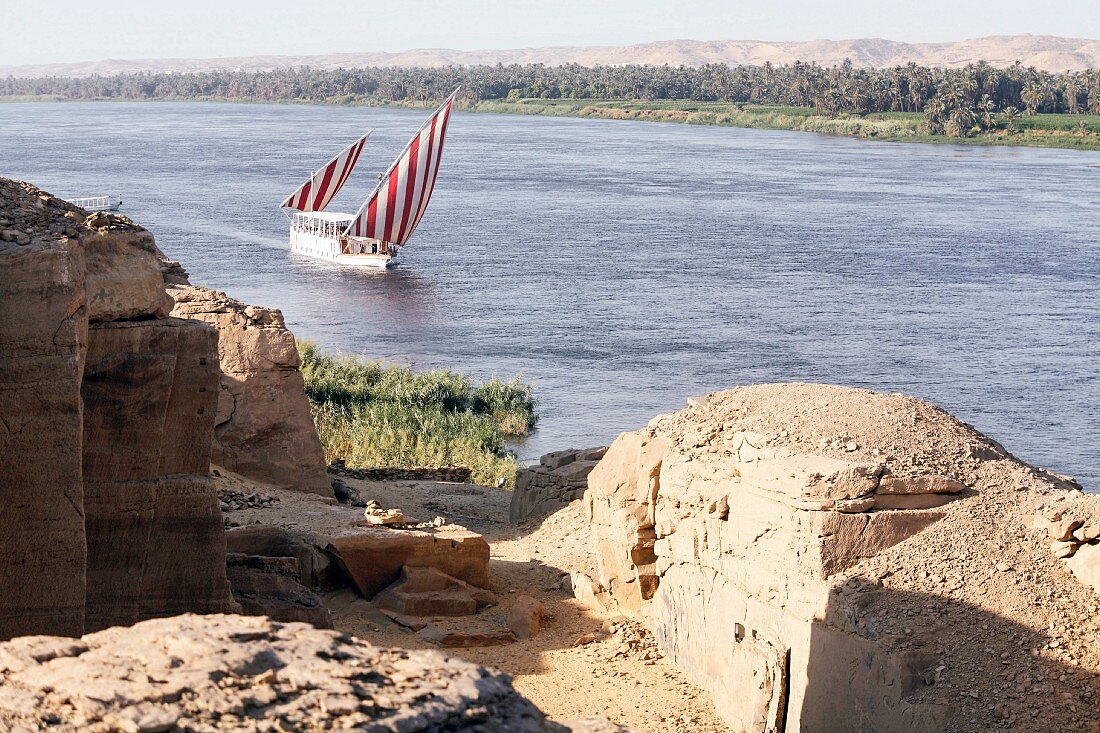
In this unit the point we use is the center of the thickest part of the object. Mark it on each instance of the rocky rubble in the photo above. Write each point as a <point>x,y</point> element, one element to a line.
<point>559,478</point>
<point>249,674</point>
<point>825,558</point>
<point>1073,527</point>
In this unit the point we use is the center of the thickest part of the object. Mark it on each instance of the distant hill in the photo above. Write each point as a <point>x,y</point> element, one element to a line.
<point>1051,53</point>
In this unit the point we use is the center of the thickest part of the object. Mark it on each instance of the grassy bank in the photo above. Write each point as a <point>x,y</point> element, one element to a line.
<point>1076,132</point>
<point>376,415</point>
<point>1072,132</point>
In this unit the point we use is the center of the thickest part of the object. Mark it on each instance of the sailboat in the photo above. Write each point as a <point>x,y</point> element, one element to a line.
<point>374,235</point>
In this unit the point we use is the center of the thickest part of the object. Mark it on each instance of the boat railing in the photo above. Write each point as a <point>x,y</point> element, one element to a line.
<point>97,203</point>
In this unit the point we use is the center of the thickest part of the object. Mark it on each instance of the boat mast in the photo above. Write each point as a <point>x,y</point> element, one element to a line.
<point>382,178</point>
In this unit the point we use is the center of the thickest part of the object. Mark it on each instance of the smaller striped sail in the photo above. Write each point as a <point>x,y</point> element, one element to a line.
<point>316,193</point>
<point>392,212</point>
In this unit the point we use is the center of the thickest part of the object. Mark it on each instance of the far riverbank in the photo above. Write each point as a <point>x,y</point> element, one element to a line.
<point>1063,131</point>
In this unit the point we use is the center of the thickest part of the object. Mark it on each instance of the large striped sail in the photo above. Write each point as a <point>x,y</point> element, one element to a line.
<point>393,210</point>
<point>316,193</point>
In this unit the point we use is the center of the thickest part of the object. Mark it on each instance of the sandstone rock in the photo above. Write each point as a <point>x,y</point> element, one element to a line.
<point>728,527</point>
<point>525,617</point>
<point>1085,565</point>
<point>269,586</point>
<point>590,593</point>
<point>560,477</point>
<point>457,639</point>
<point>43,335</point>
<point>1063,549</point>
<point>928,484</point>
<point>123,273</point>
<point>557,459</point>
<point>154,530</point>
<point>104,435</point>
<point>1062,529</point>
<point>375,514</point>
<point>264,429</point>
<point>249,674</point>
<point>270,541</point>
<point>625,484</point>
<point>426,591</point>
<point>372,557</point>
<point>912,501</point>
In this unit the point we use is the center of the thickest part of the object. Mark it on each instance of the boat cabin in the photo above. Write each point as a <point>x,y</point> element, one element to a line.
<point>319,232</point>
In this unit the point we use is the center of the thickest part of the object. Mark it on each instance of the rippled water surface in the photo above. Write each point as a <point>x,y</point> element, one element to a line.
<point>623,266</point>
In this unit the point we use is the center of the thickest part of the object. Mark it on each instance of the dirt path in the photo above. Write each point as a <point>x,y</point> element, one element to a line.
<point>610,677</point>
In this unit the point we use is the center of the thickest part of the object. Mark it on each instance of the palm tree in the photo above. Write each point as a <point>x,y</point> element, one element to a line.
<point>986,113</point>
<point>1032,97</point>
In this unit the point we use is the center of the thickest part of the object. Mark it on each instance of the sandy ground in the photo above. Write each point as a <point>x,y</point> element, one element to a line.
<point>610,678</point>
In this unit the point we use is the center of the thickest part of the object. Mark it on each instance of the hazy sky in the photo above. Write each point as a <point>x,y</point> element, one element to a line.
<point>63,30</point>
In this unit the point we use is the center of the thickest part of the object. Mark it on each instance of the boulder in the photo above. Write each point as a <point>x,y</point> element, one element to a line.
<point>249,674</point>
<point>269,586</point>
<point>372,558</point>
<point>559,478</point>
<point>264,428</point>
<point>1085,565</point>
<point>525,617</point>
<point>154,530</point>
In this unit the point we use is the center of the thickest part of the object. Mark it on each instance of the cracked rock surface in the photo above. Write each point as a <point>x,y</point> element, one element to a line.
<point>220,672</point>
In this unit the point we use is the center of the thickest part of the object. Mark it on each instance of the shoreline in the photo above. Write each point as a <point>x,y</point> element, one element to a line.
<point>897,127</point>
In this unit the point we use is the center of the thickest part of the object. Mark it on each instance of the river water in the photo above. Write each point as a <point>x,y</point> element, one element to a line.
<point>624,266</point>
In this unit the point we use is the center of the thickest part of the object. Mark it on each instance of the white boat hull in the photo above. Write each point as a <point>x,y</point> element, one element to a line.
<point>340,250</point>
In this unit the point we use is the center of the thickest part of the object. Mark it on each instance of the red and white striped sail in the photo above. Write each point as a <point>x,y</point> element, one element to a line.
<point>316,193</point>
<point>393,210</point>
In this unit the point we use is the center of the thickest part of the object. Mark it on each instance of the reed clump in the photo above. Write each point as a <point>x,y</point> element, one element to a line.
<point>377,415</point>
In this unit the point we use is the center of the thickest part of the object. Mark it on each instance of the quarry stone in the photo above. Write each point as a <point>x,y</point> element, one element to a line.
<point>372,558</point>
<point>559,478</point>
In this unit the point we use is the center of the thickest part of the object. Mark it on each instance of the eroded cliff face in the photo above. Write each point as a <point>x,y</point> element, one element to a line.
<point>264,429</point>
<point>108,408</point>
<point>43,336</point>
<point>153,523</point>
<point>826,558</point>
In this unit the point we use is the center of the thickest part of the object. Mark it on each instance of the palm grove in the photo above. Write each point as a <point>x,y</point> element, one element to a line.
<point>956,102</point>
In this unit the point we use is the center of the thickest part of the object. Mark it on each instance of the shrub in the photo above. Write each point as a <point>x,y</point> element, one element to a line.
<point>377,415</point>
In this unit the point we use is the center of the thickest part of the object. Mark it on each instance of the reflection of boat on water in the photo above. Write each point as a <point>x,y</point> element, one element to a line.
<point>98,203</point>
<point>373,236</point>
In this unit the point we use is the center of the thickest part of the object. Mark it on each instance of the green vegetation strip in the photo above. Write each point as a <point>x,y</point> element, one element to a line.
<point>1076,132</point>
<point>376,415</point>
<point>974,104</point>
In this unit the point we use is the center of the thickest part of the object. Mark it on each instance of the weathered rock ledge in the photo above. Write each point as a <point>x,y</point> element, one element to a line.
<point>205,673</point>
<point>263,429</point>
<point>826,558</point>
